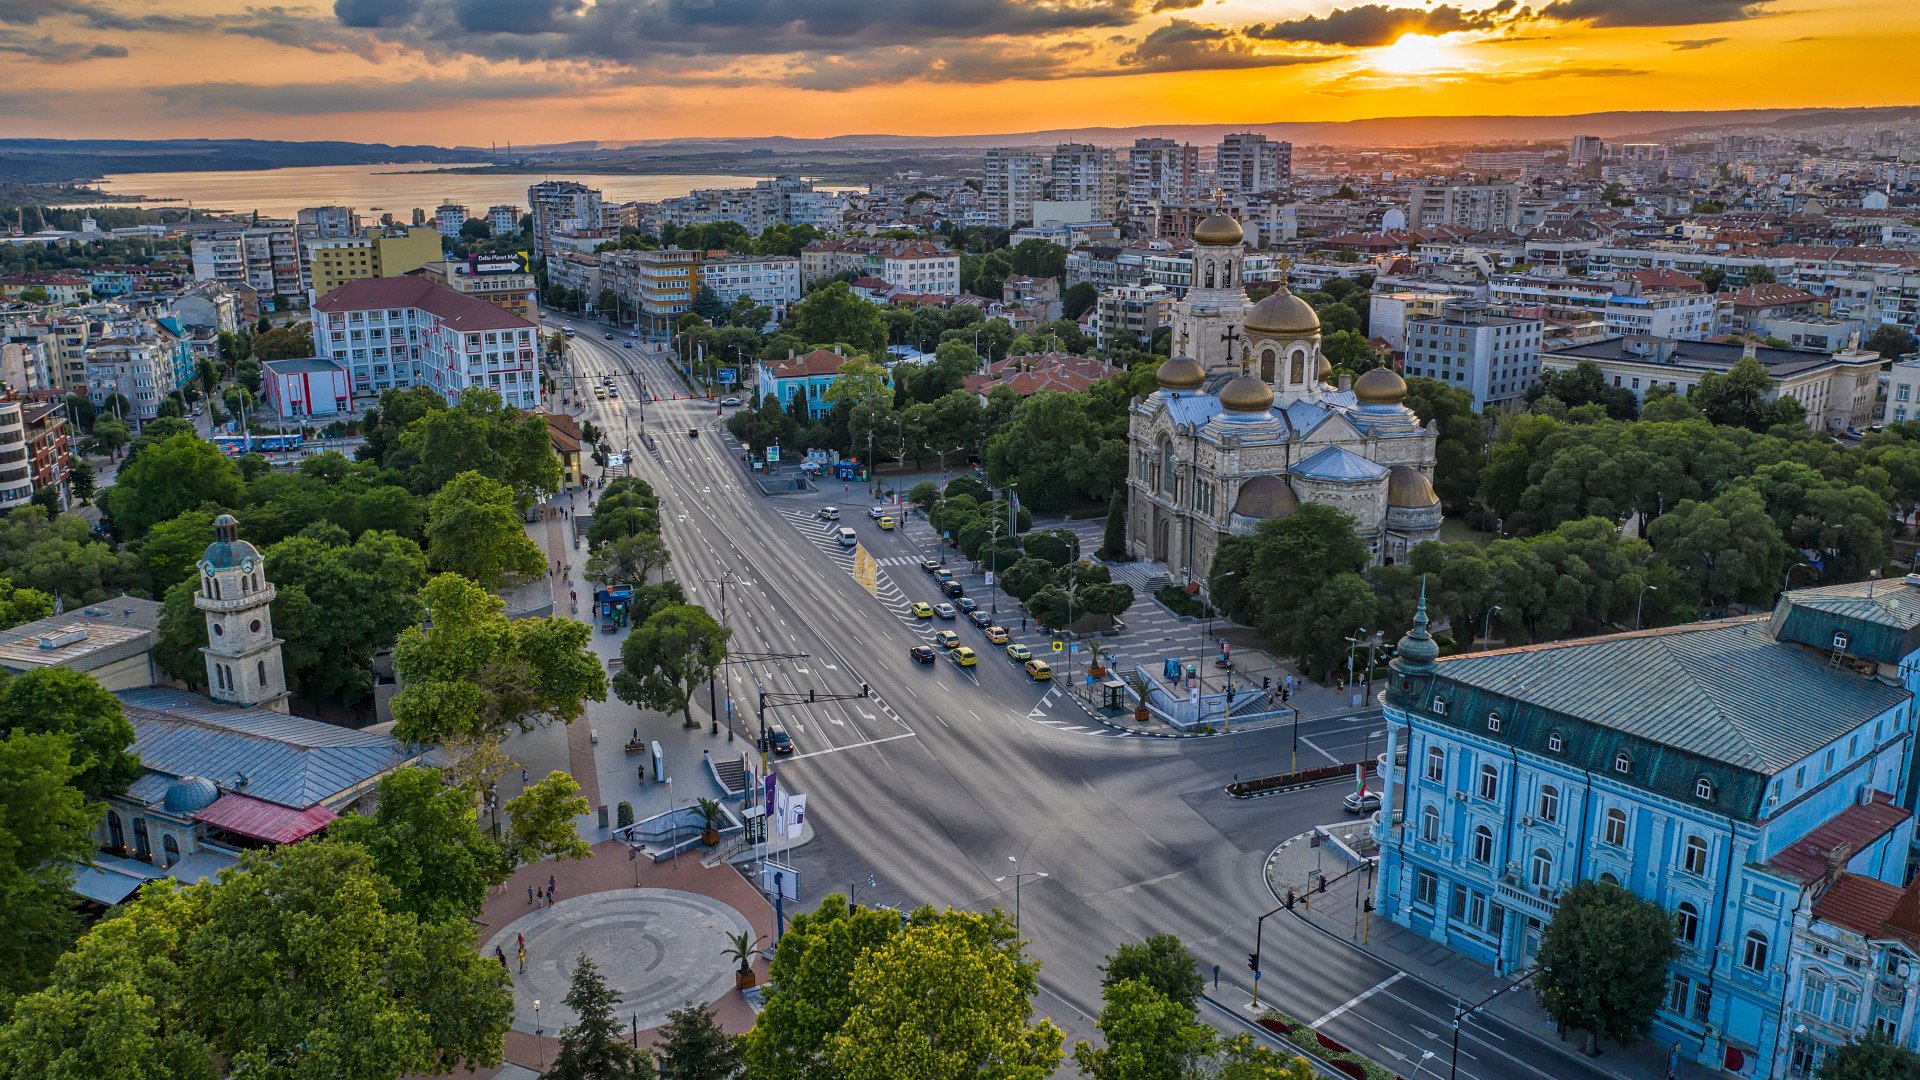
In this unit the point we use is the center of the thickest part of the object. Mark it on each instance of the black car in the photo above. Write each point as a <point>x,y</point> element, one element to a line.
<point>781,742</point>
<point>922,654</point>
<point>693,433</point>
<point>980,619</point>
<point>953,588</point>
<point>966,605</point>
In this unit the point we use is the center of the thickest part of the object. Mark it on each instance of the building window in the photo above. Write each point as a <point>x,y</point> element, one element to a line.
<point>1679,992</point>
<point>1426,888</point>
<point>1540,871</point>
<point>1703,789</point>
<point>170,849</point>
<point>1549,803</point>
<point>1753,951</point>
<point>1430,825</point>
<point>1555,743</point>
<point>1693,858</point>
<point>1489,782</point>
<point>1813,994</point>
<point>1846,1005</point>
<point>1686,923</point>
<point>1493,721</point>
<point>142,845</point>
<point>1436,763</point>
<point>1623,763</point>
<point>1483,845</point>
<point>1615,830</point>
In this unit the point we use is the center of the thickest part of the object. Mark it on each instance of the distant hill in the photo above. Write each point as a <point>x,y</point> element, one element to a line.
<point>54,161</point>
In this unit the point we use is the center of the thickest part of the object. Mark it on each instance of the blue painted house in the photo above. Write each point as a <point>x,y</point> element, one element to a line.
<point>1730,771</point>
<point>808,377</point>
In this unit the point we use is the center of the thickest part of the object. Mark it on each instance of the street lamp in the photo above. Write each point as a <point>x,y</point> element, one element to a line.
<point>1486,629</point>
<point>1422,1063</point>
<point>1642,599</point>
<point>1018,875</point>
<point>855,888</point>
<point>1788,580</point>
<point>1199,662</point>
<point>539,1034</point>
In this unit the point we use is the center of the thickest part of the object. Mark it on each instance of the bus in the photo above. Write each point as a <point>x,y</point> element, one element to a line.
<point>258,444</point>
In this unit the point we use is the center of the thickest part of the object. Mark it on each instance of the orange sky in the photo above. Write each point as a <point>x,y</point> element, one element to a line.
<point>535,71</point>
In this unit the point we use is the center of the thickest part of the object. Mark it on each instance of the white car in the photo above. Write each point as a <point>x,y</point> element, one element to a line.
<point>1361,802</point>
<point>615,461</point>
<point>876,512</point>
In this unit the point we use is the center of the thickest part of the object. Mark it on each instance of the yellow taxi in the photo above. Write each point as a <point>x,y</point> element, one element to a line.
<point>886,523</point>
<point>1019,651</point>
<point>963,656</point>
<point>947,639</point>
<point>1039,671</point>
<point>921,609</point>
<point>997,635</point>
<point>600,393</point>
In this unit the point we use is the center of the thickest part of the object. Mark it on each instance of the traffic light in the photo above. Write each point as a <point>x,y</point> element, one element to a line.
<point>865,691</point>
<point>1253,961</point>
<point>809,695</point>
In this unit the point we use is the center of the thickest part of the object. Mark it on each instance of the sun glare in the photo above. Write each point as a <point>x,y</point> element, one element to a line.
<point>1414,53</point>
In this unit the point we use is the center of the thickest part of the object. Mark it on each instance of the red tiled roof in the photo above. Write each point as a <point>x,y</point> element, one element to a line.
<point>262,820</point>
<point>817,362</point>
<point>1860,904</point>
<point>1049,371</point>
<point>563,431</point>
<point>1858,827</point>
<point>1650,280</point>
<point>1767,295</point>
<point>458,310</point>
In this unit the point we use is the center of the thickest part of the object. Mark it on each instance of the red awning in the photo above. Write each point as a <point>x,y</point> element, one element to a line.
<point>262,820</point>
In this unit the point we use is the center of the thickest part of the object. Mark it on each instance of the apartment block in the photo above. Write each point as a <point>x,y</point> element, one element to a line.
<point>135,366</point>
<point>923,267</point>
<point>449,217</point>
<point>266,260</point>
<point>772,280</point>
<point>327,222</point>
<point>503,219</point>
<point>1248,163</point>
<point>559,205</point>
<point>1161,171</point>
<point>1494,357</point>
<point>1082,172</point>
<point>16,470</point>
<point>1480,207</point>
<point>1131,314</point>
<point>1014,180</point>
<point>398,332</point>
<point>381,253</point>
<point>502,281</point>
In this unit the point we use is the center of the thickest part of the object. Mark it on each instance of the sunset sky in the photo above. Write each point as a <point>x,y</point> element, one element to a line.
<point>537,71</point>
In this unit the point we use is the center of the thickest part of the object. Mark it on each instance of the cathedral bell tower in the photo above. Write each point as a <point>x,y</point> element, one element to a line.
<point>243,656</point>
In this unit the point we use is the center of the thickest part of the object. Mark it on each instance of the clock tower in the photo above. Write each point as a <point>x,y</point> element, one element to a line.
<point>243,656</point>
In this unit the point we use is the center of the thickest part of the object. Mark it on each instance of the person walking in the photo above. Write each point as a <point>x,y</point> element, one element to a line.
<point>523,961</point>
<point>500,956</point>
<point>520,942</point>
<point>551,882</point>
<point>529,896</point>
<point>549,896</point>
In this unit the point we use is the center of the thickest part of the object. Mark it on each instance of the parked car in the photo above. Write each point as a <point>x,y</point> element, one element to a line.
<point>966,604</point>
<point>945,611</point>
<point>1361,802</point>
<point>1039,670</point>
<point>922,654</point>
<point>963,656</point>
<point>953,588</point>
<point>980,619</point>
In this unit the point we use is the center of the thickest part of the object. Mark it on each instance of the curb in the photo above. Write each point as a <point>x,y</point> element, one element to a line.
<point>1285,1045</point>
<point>1290,788</point>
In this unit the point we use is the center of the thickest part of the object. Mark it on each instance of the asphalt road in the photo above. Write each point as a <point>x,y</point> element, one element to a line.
<point>947,781</point>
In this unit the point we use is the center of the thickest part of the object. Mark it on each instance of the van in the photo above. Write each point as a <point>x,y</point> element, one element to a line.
<point>829,513</point>
<point>847,537</point>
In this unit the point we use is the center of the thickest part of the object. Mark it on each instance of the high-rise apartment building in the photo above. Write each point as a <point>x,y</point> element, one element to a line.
<point>1586,150</point>
<point>560,205</point>
<point>1082,172</point>
<point>1161,171</point>
<point>327,221</point>
<point>1493,357</point>
<point>1014,180</point>
<point>383,253</point>
<point>1247,163</point>
<point>503,219</point>
<point>449,217</point>
<point>1466,206</point>
<point>267,260</point>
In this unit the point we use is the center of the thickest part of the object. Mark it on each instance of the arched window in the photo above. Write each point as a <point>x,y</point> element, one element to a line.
<point>1483,845</point>
<point>1555,743</point>
<point>1436,763</point>
<point>1609,879</point>
<point>1753,951</point>
<point>1703,789</point>
<point>1430,825</point>
<point>1209,273</point>
<point>1623,763</point>
<point>1166,466</point>
<point>116,835</point>
<point>260,667</point>
<point>1493,722</point>
<point>1693,856</point>
<point>1269,364</point>
<point>1615,830</point>
<point>1489,782</point>
<point>1686,923</point>
<point>1226,274</point>
<point>142,845</point>
<point>170,850</point>
<point>1297,370</point>
<point>1540,869</point>
<point>1549,803</point>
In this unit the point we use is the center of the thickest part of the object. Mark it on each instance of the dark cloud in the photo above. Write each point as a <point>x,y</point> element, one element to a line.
<point>1689,44</point>
<point>323,98</point>
<point>1189,46</point>
<point>373,14</point>
<point>49,50</point>
<point>1567,72</point>
<point>1380,24</point>
<point>1654,12</point>
<point>1175,5</point>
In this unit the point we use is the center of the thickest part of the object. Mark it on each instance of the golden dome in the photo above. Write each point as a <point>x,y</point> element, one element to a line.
<point>1219,230</point>
<point>1266,497</point>
<point>1283,315</point>
<point>1181,373</point>
<point>1326,369</point>
<point>1244,393</point>
<point>1380,386</point>
<point>1408,487</point>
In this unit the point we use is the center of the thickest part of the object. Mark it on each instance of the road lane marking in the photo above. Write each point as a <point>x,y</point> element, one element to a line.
<point>1360,997</point>
<point>1315,747</point>
<point>853,746</point>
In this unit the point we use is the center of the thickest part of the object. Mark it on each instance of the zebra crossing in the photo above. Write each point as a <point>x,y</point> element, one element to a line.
<point>823,535</point>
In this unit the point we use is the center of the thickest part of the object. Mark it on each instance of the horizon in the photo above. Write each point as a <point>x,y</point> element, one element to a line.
<point>472,73</point>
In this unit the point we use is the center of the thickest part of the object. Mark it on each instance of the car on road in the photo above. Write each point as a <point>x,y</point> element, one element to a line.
<point>600,393</point>
<point>829,513</point>
<point>980,619</point>
<point>945,611</point>
<point>1361,802</point>
<point>609,337</point>
<point>943,575</point>
<point>922,654</point>
<point>997,635</point>
<point>779,741</point>
<point>1039,670</point>
<point>921,609</point>
<point>931,566</point>
<point>629,344</point>
<point>953,588</point>
<point>613,392</point>
<point>1019,652</point>
<point>886,524</point>
<point>693,433</point>
<point>966,604</point>
<point>963,656</point>
<point>947,639</point>
<point>876,512</point>
<point>729,401</point>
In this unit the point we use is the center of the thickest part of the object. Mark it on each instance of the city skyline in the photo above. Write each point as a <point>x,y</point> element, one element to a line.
<point>475,72</point>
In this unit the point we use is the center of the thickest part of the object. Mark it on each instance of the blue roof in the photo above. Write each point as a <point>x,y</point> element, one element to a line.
<point>1304,415</point>
<point>289,760</point>
<point>1192,407</point>
<point>1335,464</point>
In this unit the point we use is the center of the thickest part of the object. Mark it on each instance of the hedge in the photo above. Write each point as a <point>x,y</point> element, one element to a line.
<point>1326,1049</point>
<point>1304,776</point>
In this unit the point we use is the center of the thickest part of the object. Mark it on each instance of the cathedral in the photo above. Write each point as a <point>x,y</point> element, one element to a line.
<point>1246,427</point>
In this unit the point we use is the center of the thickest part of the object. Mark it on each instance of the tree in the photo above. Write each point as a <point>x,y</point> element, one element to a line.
<point>474,229</point>
<point>45,827</point>
<point>1113,544</point>
<point>111,433</point>
<point>80,478</point>
<point>62,701</point>
<point>1078,298</point>
<point>1739,398</point>
<point>969,1008</point>
<point>832,315</point>
<point>425,838</point>
<point>1729,548</point>
<point>1890,341</point>
<point>679,647</point>
<point>1039,258</point>
<point>1602,964</point>
<point>593,1047</point>
<point>173,548</point>
<point>810,995</point>
<point>1760,275</point>
<point>1149,1036</point>
<point>1462,445</point>
<point>694,1047</point>
<point>1873,1056</point>
<point>481,434</point>
<point>1052,450</point>
<point>541,821</point>
<point>708,305</point>
<point>63,557</point>
<point>1161,962</point>
<point>184,472</point>
<point>628,559</point>
<point>1056,547</point>
<point>289,342</point>
<point>473,530</point>
<point>861,382</point>
<point>19,605</point>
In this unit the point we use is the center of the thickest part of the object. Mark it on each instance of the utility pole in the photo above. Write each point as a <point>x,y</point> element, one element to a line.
<point>713,703</point>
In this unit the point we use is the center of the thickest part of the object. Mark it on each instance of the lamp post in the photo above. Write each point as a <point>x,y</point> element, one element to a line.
<point>855,888</point>
<point>1353,644</point>
<point>1199,664</point>
<point>539,1035</point>
<point>1453,1066</point>
<point>1640,601</point>
<point>1018,876</point>
<point>1788,579</point>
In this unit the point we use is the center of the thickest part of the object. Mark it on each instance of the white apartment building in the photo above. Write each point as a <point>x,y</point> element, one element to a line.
<point>1247,163</point>
<point>1619,304</point>
<point>1478,207</point>
<point>561,205</point>
<point>1667,314</point>
<point>16,466</point>
<point>916,266</point>
<point>1390,314</point>
<point>448,218</point>
<point>1495,357</point>
<point>1602,261</point>
<point>1903,391</point>
<point>327,222</point>
<point>394,333</point>
<point>267,260</point>
<point>1161,171</point>
<point>1082,172</point>
<point>1131,314</point>
<point>773,280</point>
<point>138,368</point>
<point>1014,179</point>
<point>25,366</point>
<point>1872,299</point>
<point>502,219</point>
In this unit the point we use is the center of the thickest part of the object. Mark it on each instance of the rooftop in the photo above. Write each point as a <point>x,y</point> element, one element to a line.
<point>1854,829</point>
<point>1860,904</point>
<point>459,311</point>
<point>1694,355</point>
<point>301,365</point>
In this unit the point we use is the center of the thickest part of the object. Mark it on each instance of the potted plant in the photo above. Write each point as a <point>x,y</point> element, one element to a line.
<point>740,948</point>
<point>710,818</point>
<point>1098,667</point>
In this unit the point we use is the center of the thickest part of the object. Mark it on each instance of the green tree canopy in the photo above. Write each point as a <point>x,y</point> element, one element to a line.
<point>1873,1056</point>
<point>693,1046</point>
<point>1602,965</point>
<point>18,605</point>
<point>62,701</point>
<point>1149,1036</point>
<point>45,826</point>
<point>679,647</point>
<point>473,530</point>
<point>184,472</point>
<point>425,838</point>
<point>832,314</point>
<point>1161,962</point>
<point>482,434</point>
<point>593,1046</point>
<point>628,560</point>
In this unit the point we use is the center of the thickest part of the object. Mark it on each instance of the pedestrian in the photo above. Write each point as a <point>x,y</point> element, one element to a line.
<point>1023,625</point>
<point>523,961</point>
<point>523,774</point>
<point>551,882</point>
<point>500,956</point>
<point>521,941</point>
<point>643,772</point>
<point>529,896</point>
<point>549,896</point>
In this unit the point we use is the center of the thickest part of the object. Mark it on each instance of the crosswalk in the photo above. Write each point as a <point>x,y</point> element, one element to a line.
<point>823,535</point>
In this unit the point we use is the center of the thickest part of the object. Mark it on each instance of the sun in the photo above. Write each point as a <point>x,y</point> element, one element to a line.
<point>1414,53</point>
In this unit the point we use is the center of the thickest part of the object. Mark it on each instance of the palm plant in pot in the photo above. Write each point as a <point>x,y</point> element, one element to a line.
<point>710,817</point>
<point>741,948</point>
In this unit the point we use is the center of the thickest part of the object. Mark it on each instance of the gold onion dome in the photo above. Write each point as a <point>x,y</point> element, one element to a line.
<point>1326,369</point>
<point>1282,313</point>
<point>1246,394</point>
<point>1409,488</point>
<point>1266,497</point>
<point>1181,373</point>
<point>1381,386</point>
<point>1219,230</point>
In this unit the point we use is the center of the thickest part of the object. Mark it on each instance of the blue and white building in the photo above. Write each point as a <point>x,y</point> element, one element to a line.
<point>807,377</point>
<point>1735,772</point>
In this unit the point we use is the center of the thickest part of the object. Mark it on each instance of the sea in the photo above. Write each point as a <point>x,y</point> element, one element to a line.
<point>377,189</point>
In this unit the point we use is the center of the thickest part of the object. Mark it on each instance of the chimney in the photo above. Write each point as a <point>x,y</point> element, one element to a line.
<point>837,351</point>
<point>1748,349</point>
<point>789,354</point>
<point>1346,382</point>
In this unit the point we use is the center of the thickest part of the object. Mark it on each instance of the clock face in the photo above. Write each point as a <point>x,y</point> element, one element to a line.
<point>246,565</point>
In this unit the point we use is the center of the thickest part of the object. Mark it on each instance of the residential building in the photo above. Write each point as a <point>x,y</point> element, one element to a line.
<point>397,332</point>
<point>327,222</point>
<point>1161,171</point>
<point>209,305</point>
<point>134,365</point>
<point>1586,150</point>
<point>502,281</point>
<point>1494,357</point>
<point>1502,161</point>
<point>1038,295</point>
<point>1247,163</point>
<point>448,218</point>
<point>1479,207</point>
<point>1106,265</point>
<point>921,267</point>
<point>49,449</point>
<point>1083,172</point>
<point>563,431</point>
<point>1389,314</point>
<point>61,289</point>
<point>25,367</point>
<point>264,259</point>
<point>808,377</point>
<point>1838,389</point>
<point>559,205</point>
<point>771,280</point>
<point>578,272</point>
<point>16,464</point>
<point>1029,374</point>
<point>503,219</point>
<point>1746,309</point>
<point>1877,299</point>
<point>1727,771</point>
<point>303,388</point>
<point>1854,971</point>
<point>380,253</point>
<point>666,283</point>
<point>1131,314</point>
<point>1673,313</point>
<point>1903,391</point>
<point>1014,179</point>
